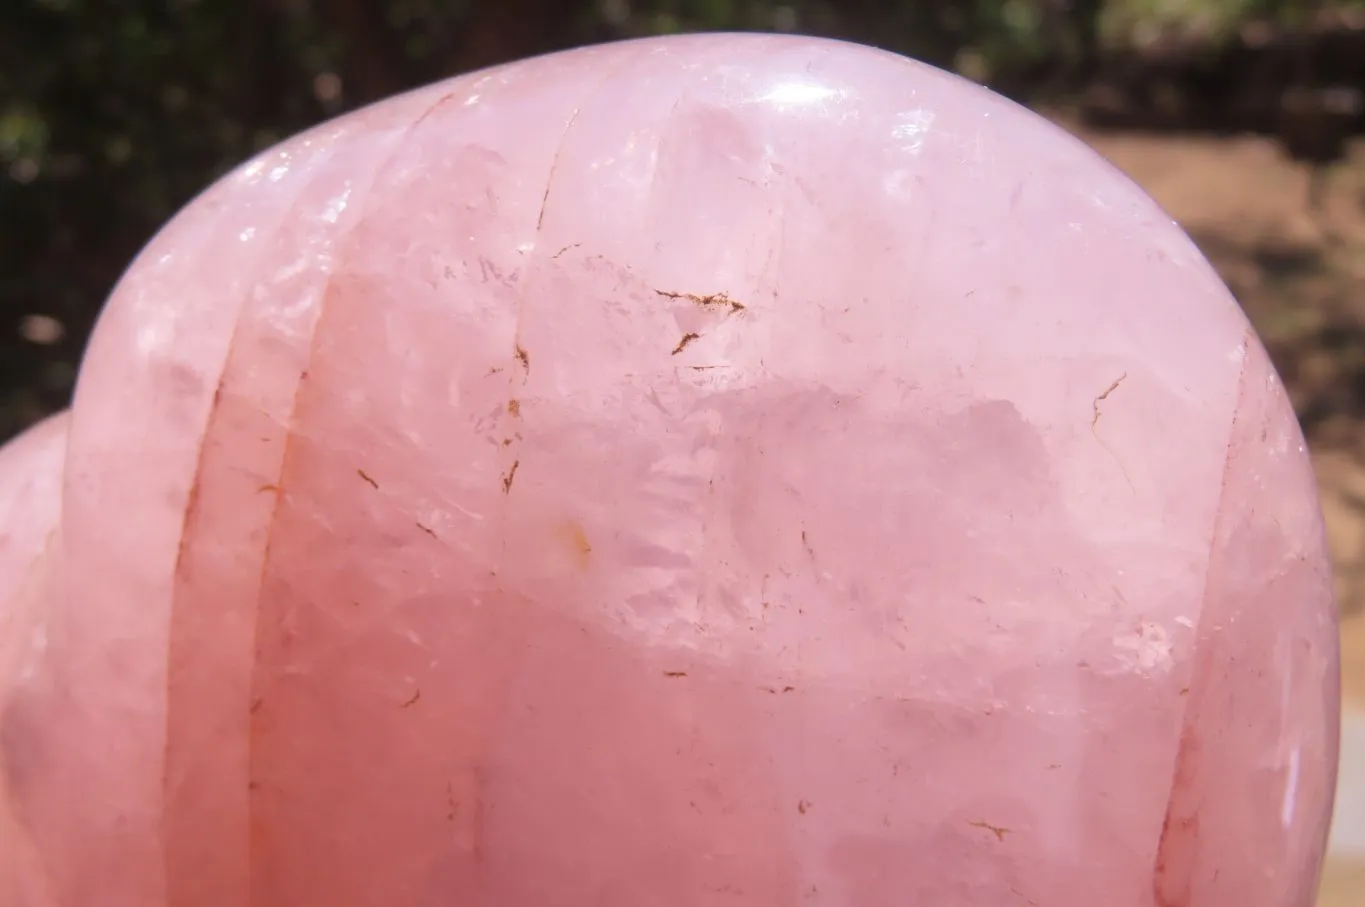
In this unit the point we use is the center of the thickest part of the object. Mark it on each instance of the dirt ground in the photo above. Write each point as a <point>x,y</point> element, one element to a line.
<point>1300,275</point>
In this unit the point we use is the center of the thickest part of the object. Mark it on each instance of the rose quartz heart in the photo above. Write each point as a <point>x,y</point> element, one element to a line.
<point>698,471</point>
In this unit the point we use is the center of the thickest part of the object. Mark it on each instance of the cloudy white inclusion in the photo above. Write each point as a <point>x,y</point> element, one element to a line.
<point>337,205</point>
<point>912,128</point>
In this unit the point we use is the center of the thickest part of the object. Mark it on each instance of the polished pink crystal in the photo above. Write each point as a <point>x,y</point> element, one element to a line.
<point>30,507</point>
<point>711,470</point>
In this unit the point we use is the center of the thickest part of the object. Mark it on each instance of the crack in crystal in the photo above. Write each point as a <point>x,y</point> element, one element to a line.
<point>189,533</point>
<point>1164,877</point>
<point>287,451</point>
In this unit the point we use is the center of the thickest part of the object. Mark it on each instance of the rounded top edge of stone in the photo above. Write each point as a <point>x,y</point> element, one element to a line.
<point>819,80</point>
<point>709,64</point>
<point>695,56</point>
<point>877,144</point>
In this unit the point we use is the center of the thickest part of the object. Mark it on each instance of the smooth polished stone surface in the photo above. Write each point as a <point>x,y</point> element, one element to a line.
<point>30,507</point>
<point>726,469</point>
<point>30,503</point>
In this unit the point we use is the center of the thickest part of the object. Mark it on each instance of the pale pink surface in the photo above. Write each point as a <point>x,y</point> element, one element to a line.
<point>30,507</point>
<point>30,502</point>
<point>718,470</point>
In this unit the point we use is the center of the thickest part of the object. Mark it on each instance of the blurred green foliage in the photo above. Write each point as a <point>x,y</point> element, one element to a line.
<point>113,113</point>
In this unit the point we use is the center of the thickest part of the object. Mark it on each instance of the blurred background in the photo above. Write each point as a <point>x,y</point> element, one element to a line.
<point>1240,116</point>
